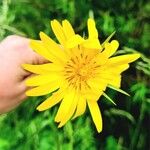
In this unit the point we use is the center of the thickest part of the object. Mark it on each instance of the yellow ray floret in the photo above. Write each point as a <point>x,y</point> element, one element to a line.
<point>81,106</point>
<point>96,114</point>
<point>51,101</point>
<point>68,30</point>
<point>78,72</point>
<point>58,31</point>
<point>93,33</point>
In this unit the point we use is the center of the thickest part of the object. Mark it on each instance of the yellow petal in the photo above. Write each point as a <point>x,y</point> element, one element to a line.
<point>68,30</point>
<point>58,31</point>
<point>66,103</point>
<point>114,70</point>
<point>124,59</point>
<point>51,101</point>
<point>52,47</point>
<point>39,48</point>
<point>81,107</point>
<point>122,68</point>
<point>92,44</point>
<point>74,41</point>
<point>97,84</point>
<point>96,115</point>
<point>69,111</point>
<point>42,79</point>
<point>109,78</point>
<point>43,90</point>
<point>116,81</point>
<point>106,77</point>
<point>91,93</point>
<point>42,69</point>
<point>110,48</point>
<point>92,29</point>
<point>101,59</point>
<point>118,69</point>
<point>94,95</point>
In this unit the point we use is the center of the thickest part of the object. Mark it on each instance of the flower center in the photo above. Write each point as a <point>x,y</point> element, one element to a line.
<point>79,69</point>
<point>83,72</point>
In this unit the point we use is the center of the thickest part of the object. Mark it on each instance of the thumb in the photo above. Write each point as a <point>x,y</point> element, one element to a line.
<point>30,56</point>
<point>36,59</point>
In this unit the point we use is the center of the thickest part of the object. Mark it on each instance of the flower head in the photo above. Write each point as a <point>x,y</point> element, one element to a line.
<point>78,72</point>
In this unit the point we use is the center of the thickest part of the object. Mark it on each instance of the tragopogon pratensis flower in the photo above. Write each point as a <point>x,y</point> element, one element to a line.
<point>78,72</point>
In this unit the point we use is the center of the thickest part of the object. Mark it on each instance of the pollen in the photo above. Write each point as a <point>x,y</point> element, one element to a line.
<point>79,69</point>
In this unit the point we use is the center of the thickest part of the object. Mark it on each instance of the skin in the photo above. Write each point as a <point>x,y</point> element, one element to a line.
<point>14,51</point>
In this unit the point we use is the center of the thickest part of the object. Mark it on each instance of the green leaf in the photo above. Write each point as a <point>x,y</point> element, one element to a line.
<point>111,143</point>
<point>122,113</point>
<point>106,96</point>
<point>107,40</point>
<point>119,90</point>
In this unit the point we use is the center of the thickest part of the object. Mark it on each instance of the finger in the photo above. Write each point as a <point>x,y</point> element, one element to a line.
<point>37,59</point>
<point>30,57</point>
<point>23,88</point>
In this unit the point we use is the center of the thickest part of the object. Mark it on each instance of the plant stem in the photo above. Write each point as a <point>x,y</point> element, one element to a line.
<point>135,138</point>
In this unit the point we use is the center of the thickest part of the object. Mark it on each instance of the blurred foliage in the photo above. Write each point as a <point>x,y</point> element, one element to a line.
<point>126,126</point>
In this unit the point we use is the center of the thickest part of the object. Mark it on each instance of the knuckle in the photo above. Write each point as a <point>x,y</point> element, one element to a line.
<point>12,37</point>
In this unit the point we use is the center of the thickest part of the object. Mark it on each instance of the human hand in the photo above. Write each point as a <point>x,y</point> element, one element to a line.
<point>14,51</point>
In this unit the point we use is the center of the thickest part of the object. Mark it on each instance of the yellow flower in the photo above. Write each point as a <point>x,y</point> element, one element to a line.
<point>78,72</point>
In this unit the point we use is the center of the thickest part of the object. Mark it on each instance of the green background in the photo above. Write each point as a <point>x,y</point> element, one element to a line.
<point>126,126</point>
